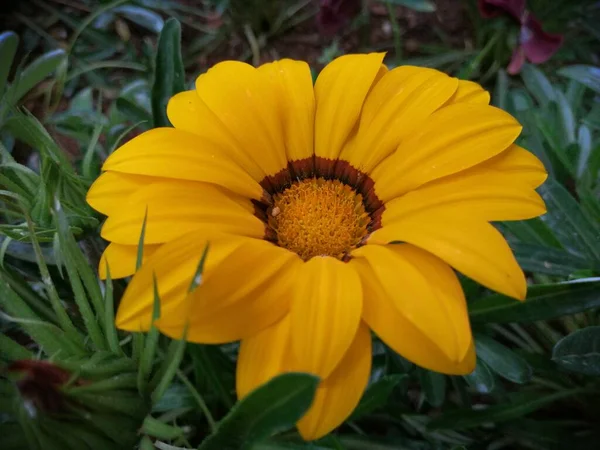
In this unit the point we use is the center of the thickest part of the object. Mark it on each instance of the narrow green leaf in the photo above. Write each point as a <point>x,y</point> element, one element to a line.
<point>160,430</point>
<point>471,418</point>
<point>142,17</point>
<point>68,246</point>
<point>33,74</point>
<point>579,351</point>
<point>140,249</point>
<point>23,290</point>
<point>416,5</point>
<point>271,408</point>
<point>61,314</point>
<point>543,302</point>
<point>90,18</point>
<point>542,259</point>
<point>501,90</point>
<point>533,231</point>
<point>169,367</point>
<point>569,223</point>
<point>214,371</point>
<point>434,386</point>
<point>377,395</point>
<point>52,339</point>
<point>27,128</point>
<point>537,83</point>
<point>502,360</point>
<point>197,278</point>
<point>12,351</point>
<point>150,343</point>
<point>124,402</point>
<point>567,119</point>
<point>133,111</point>
<point>110,330</point>
<point>116,382</point>
<point>587,75</point>
<point>9,42</point>
<point>584,139</point>
<point>481,379</point>
<point>168,71</point>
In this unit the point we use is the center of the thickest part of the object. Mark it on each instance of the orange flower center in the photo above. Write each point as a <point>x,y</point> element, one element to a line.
<point>318,217</point>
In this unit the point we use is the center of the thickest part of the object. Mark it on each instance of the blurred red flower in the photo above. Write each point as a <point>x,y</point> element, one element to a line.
<point>535,45</point>
<point>334,14</point>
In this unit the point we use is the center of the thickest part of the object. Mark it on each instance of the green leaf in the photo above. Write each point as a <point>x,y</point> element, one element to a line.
<point>68,247</point>
<point>377,395</point>
<point>214,371</point>
<point>33,74</point>
<point>150,343</point>
<point>272,407</point>
<point>416,5</point>
<point>12,351</point>
<point>574,229</point>
<point>142,16</point>
<point>584,140</point>
<point>502,360</point>
<point>549,260</point>
<point>567,119</point>
<point>543,302</point>
<point>579,351</point>
<point>501,90</point>
<point>528,403</point>
<point>48,336</point>
<point>434,386</point>
<point>169,367</point>
<point>161,430</point>
<point>537,83</point>
<point>587,75</point>
<point>481,379</point>
<point>8,47</point>
<point>133,111</point>
<point>168,71</point>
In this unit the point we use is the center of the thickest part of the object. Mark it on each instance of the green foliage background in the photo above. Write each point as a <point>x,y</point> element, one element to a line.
<point>536,384</point>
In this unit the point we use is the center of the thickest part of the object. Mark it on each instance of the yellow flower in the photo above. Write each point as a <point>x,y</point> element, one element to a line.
<point>330,211</point>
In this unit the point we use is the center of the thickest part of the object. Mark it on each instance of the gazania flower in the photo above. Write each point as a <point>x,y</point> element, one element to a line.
<point>329,211</point>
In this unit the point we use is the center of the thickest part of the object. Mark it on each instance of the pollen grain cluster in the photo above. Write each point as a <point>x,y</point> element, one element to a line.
<point>318,217</point>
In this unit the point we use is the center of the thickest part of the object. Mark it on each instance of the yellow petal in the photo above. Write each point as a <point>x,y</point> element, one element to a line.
<point>397,104</point>
<point>522,166</point>
<point>292,81</point>
<point>325,313</point>
<point>340,91</point>
<point>243,98</point>
<point>108,192</point>
<point>452,139</point>
<point>470,92</point>
<point>122,259</point>
<point>425,291</point>
<point>177,207</point>
<point>473,247</point>
<point>247,292</point>
<point>174,265</point>
<point>262,357</point>
<point>399,333</point>
<point>338,395</point>
<point>172,153</point>
<point>491,196</point>
<point>188,112</point>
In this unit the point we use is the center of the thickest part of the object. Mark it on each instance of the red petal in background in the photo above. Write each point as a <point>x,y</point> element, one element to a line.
<point>492,8</point>
<point>334,14</point>
<point>517,60</point>
<point>538,45</point>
